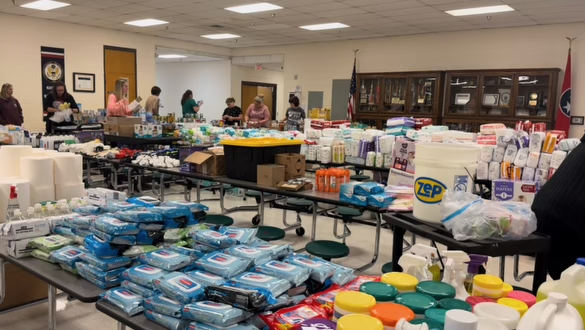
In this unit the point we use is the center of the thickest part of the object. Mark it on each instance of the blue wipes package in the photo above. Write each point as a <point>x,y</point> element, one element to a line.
<point>194,254</point>
<point>248,252</point>
<point>119,206</point>
<point>215,313</point>
<point>122,240</point>
<point>368,188</point>
<point>165,259</point>
<point>180,287</point>
<point>203,326</point>
<point>81,231</point>
<point>173,223</point>
<point>277,251</point>
<point>144,201</point>
<point>136,250</point>
<point>139,216</point>
<point>342,275</point>
<point>242,235</point>
<point>143,275</point>
<point>151,226</point>
<point>353,199</point>
<point>68,256</point>
<point>294,274</point>
<point>203,248</point>
<point>99,247</point>
<point>145,237</point>
<point>87,210</point>
<point>320,271</point>
<point>163,305</point>
<point>138,289</point>
<point>223,264</point>
<point>106,263</point>
<point>82,221</point>
<point>62,230</point>
<point>213,239</point>
<point>193,207</point>
<point>167,321</point>
<point>171,212</point>
<point>206,279</point>
<point>276,286</point>
<point>380,200</point>
<point>125,300</point>
<point>113,226</point>
<point>103,279</point>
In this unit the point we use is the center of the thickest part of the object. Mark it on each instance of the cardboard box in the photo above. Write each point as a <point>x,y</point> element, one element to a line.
<point>295,185</point>
<point>140,131</point>
<point>17,249</point>
<point>400,178</point>
<point>21,229</point>
<point>124,121</point>
<point>208,162</point>
<point>270,175</point>
<point>403,155</point>
<point>22,288</point>
<point>119,130</point>
<point>294,165</point>
<point>517,191</point>
<point>101,196</point>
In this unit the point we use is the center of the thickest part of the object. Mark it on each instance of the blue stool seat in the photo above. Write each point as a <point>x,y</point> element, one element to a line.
<point>269,234</point>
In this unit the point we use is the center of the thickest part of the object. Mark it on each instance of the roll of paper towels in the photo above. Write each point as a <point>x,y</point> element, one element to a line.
<point>68,168</point>
<point>43,152</point>
<point>38,170</point>
<point>4,196</point>
<point>10,159</point>
<point>23,190</point>
<point>69,191</point>
<point>40,194</point>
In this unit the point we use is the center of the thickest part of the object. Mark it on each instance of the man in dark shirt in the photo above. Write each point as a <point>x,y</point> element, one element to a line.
<point>232,115</point>
<point>10,109</point>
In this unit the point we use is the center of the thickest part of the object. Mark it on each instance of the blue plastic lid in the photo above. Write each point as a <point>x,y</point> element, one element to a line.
<point>437,314</point>
<point>581,261</point>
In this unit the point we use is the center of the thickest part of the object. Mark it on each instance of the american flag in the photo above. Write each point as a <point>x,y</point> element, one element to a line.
<point>352,91</point>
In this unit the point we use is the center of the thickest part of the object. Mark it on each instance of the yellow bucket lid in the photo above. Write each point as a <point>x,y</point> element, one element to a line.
<point>518,305</point>
<point>355,302</point>
<point>401,281</point>
<point>488,282</point>
<point>507,288</point>
<point>359,322</point>
<point>261,143</point>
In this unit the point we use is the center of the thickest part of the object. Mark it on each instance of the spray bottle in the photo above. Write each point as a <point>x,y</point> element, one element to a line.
<point>416,266</point>
<point>456,272</point>
<point>476,261</point>
<point>431,254</point>
<point>404,325</point>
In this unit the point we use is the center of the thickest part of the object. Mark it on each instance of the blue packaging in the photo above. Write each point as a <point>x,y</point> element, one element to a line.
<point>206,279</point>
<point>203,248</point>
<point>138,216</point>
<point>82,221</point>
<point>294,274</point>
<point>222,264</point>
<point>148,237</point>
<point>256,255</point>
<point>173,223</point>
<point>67,255</point>
<point>320,271</point>
<point>119,206</point>
<point>277,251</point>
<point>136,250</point>
<point>87,210</point>
<point>171,212</point>
<point>242,235</point>
<point>106,263</point>
<point>62,230</point>
<point>151,226</point>
<point>99,247</point>
<point>180,287</point>
<point>138,289</point>
<point>214,313</point>
<point>121,240</point>
<point>163,305</point>
<point>203,326</point>
<point>276,286</point>
<point>368,188</point>
<point>144,201</point>
<point>194,254</point>
<point>81,231</point>
<point>193,207</point>
<point>353,199</point>
<point>103,279</point>
<point>165,259</point>
<point>213,239</point>
<point>113,226</point>
<point>126,300</point>
<point>143,275</point>
<point>341,275</point>
<point>382,201</point>
<point>167,321</point>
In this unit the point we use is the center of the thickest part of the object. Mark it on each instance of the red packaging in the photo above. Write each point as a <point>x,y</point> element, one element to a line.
<point>538,127</point>
<point>422,122</point>
<point>519,126</point>
<point>325,299</point>
<point>287,318</point>
<point>357,283</point>
<point>527,126</point>
<point>561,135</point>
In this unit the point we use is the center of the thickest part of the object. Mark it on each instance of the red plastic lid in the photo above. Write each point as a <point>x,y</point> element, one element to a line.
<point>525,297</point>
<point>476,300</point>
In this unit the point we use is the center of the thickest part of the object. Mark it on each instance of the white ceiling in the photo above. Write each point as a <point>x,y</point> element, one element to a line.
<point>368,18</point>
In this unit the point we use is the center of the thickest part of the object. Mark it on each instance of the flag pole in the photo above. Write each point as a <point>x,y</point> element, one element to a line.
<point>563,113</point>
<point>571,42</point>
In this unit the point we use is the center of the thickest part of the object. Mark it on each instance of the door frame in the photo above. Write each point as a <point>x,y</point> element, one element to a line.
<point>120,49</point>
<point>259,84</point>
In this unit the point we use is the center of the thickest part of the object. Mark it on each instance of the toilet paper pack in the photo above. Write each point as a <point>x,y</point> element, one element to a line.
<point>544,162</point>
<point>528,174</point>
<point>557,158</point>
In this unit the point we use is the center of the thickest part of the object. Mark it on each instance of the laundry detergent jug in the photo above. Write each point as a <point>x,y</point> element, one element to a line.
<point>553,313</point>
<point>571,284</point>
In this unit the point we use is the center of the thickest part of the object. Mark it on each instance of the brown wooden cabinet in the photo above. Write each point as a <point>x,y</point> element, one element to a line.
<point>476,97</point>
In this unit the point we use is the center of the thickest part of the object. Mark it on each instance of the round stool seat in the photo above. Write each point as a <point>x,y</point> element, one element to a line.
<point>227,186</point>
<point>359,177</point>
<point>252,193</point>
<point>327,249</point>
<point>387,268</point>
<point>348,211</point>
<point>269,234</point>
<point>218,220</point>
<point>299,202</point>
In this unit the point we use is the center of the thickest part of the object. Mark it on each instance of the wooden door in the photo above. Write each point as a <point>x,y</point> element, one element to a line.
<point>268,101</point>
<point>119,63</point>
<point>248,95</point>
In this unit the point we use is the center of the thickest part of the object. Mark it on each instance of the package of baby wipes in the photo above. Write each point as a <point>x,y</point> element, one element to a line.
<point>102,279</point>
<point>143,275</point>
<point>205,278</point>
<point>239,296</point>
<point>180,287</point>
<point>87,210</point>
<point>320,271</point>
<point>242,235</point>
<point>50,243</point>
<point>63,231</point>
<point>277,251</point>
<point>138,289</point>
<point>105,264</point>
<point>380,200</point>
<point>144,201</point>
<point>137,250</point>
<point>82,221</point>
<point>99,247</point>
<point>165,259</point>
<point>166,321</point>
<point>215,313</point>
<point>119,206</point>
<point>198,210</point>
<point>163,305</point>
<point>294,274</point>
<point>368,188</point>
<point>113,239</point>
<point>42,255</point>
<point>341,275</point>
<point>276,286</point>
<point>67,255</point>
<point>141,216</point>
<point>256,255</point>
<point>223,264</point>
<point>125,300</point>
<point>113,226</point>
<point>171,212</point>
<point>203,248</point>
<point>213,239</point>
<point>204,326</point>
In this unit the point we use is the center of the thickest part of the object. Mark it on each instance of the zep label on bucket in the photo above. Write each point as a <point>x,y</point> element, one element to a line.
<point>429,191</point>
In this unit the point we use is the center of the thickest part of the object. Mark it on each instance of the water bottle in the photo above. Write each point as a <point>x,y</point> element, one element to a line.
<point>38,211</point>
<point>30,213</point>
<point>143,115</point>
<point>16,215</point>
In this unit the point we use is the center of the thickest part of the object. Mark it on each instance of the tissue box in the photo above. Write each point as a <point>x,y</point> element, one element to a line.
<point>21,229</point>
<point>517,191</point>
<point>403,155</point>
<point>400,178</point>
<point>101,196</point>
<point>17,249</point>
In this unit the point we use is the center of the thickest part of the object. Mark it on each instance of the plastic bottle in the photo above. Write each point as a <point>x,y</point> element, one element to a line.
<point>476,261</point>
<point>320,180</point>
<point>333,185</point>
<point>30,212</point>
<point>571,284</point>
<point>39,211</point>
<point>416,266</point>
<point>455,272</point>
<point>460,320</point>
<point>16,215</point>
<point>13,204</point>
<point>430,254</point>
<point>551,314</point>
<point>51,212</point>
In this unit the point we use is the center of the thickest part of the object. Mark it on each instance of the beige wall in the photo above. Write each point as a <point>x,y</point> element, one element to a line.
<point>241,73</point>
<point>22,38</point>
<point>527,47</point>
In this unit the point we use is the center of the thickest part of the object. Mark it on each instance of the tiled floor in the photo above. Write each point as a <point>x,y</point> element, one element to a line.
<point>79,316</point>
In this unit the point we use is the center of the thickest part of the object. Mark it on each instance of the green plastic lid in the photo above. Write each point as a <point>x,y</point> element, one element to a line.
<point>437,290</point>
<point>451,303</point>
<point>381,291</point>
<point>436,314</point>
<point>418,302</point>
<point>433,325</point>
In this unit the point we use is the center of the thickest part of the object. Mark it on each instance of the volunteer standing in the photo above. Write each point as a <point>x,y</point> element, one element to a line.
<point>153,101</point>
<point>258,114</point>
<point>295,115</point>
<point>118,101</point>
<point>53,101</point>
<point>10,109</point>
<point>232,115</point>
<point>190,106</point>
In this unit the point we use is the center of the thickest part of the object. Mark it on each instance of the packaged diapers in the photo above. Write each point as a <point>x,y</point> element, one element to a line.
<point>102,279</point>
<point>143,275</point>
<point>294,274</point>
<point>223,264</point>
<point>165,259</point>
<point>213,239</point>
<point>276,286</point>
<point>139,216</point>
<point>214,313</point>
<point>106,263</point>
<point>256,255</point>
<point>125,300</point>
<point>163,305</point>
<point>166,321</point>
<point>206,279</point>
<point>180,287</point>
<point>113,226</point>
<point>138,289</point>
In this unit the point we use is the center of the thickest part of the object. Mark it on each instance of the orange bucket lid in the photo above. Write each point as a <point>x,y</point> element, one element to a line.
<point>390,313</point>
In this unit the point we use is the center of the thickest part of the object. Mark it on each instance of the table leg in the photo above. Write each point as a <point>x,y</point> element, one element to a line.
<point>539,270</point>
<point>130,184</point>
<point>199,192</point>
<point>52,299</point>
<point>121,326</point>
<point>162,187</point>
<point>397,241</point>
<point>2,280</point>
<point>261,209</point>
<point>376,243</point>
<point>314,224</point>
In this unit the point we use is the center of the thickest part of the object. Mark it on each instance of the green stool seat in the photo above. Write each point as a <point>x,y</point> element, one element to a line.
<point>387,268</point>
<point>299,202</point>
<point>359,177</point>
<point>252,193</point>
<point>227,186</point>
<point>348,211</point>
<point>269,234</point>
<point>218,220</point>
<point>327,249</point>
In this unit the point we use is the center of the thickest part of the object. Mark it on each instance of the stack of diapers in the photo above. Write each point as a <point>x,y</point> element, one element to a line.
<point>223,264</point>
<point>138,289</point>
<point>180,287</point>
<point>213,239</point>
<point>163,305</point>
<point>213,313</point>
<point>276,286</point>
<point>102,279</point>
<point>251,253</point>
<point>294,274</point>
<point>165,259</point>
<point>125,300</point>
<point>143,275</point>
<point>320,271</point>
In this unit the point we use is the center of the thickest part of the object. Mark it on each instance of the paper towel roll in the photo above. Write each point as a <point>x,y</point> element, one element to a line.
<point>326,155</point>
<point>68,168</point>
<point>38,170</point>
<point>69,191</point>
<point>10,159</point>
<point>43,152</point>
<point>23,186</point>
<point>379,160</point>
<point>40,194</point>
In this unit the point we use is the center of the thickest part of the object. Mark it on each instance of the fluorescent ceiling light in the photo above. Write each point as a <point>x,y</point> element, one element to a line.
<point>220,36</point>
<point>45,5</point>
<point>254,8</point>
<point>171,56</point>
<point>325,26</point>
<point>480,10</point>
<point>146,22</point>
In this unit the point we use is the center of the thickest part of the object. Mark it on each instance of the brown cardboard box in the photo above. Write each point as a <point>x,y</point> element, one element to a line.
<point>22,288</point>
<point>294,164</point>
<point>119,130</point>
<point>124,121</point>
<point>210,162</point>
<point>270,175</point>
<point>294,185</point>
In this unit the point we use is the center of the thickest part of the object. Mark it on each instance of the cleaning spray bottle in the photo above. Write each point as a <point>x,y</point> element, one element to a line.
<point>476,261</point>
<point>416,266</point>
<point>456,272</point>
<point>431,254</point>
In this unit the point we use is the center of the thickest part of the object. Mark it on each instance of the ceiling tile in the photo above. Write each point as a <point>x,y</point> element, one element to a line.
<point>360,3</point>
<point>98,13</point>
<point>322,7</point>
<point>552,10</point>
<point>393,6</point>
<point>163,4</point>
<point>75,9</point>
<point>274,26</point>
<point>49,15</point>
<point>440,2</point>
<point>427,11</point>
<point>469,4</point>
<point>340,12</point>
<point>105,4</point>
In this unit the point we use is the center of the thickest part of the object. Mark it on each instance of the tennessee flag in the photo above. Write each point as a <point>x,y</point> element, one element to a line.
<point>563,122</point>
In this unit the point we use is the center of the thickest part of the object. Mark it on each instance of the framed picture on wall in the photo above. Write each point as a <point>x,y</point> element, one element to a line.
<point>83,82</point>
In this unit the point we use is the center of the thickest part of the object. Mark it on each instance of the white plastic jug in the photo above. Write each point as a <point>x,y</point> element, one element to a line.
<point>489,324</point>
<point>553,313</point>
<point>571,284</point>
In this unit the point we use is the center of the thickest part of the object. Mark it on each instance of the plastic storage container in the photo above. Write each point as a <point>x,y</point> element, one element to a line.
<point>487,286</point>
<point>390,314</point>
<point>571,284</point>
<point>402,282</point>
<point>351,302</point>
<point>552,314</point>
<point>359,322</point>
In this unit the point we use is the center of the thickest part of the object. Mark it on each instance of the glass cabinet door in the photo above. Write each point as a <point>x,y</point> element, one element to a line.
<point>462,96</point>
<point>395,95</point>
<point>369,94</point>
<point>423,94</point>
<point>496,97</point>
<point>533,95</point>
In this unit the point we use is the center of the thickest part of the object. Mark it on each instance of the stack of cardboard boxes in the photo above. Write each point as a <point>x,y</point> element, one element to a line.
<point>121,126</point>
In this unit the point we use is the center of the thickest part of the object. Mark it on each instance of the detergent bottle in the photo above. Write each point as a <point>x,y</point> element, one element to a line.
<point>416,266</point>
<point>475,263</point>
<point>571,284</point>
<point>429,253</point>
<point>552,314</point>
<point>455,272</point>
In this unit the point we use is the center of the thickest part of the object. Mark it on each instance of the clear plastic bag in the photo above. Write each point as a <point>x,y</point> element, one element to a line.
<point>469,217</point>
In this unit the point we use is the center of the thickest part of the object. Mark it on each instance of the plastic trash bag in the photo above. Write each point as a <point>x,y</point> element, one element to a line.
<point>125,300</point>
<point>469,217</point>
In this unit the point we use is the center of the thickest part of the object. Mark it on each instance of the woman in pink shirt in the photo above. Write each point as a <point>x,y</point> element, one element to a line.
<point>258,114</point>
<point>118,100</point>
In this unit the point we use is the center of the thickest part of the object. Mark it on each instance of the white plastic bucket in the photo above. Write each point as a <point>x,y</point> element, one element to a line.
<point>439,167</point>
